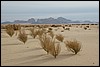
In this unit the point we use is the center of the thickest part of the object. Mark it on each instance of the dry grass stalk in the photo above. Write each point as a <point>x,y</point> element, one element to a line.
<point>34,32</point>
<point>73,46</point>
<point>45,42</point>
<point>51,34</point>
<point>67,29</point>
<point>49,28</point>
<point>60,37</point>
<point>40,32</point>
<point>16,27</point>
<point>54,50</point>
<point>22,36</point>
<point>9,30</point>
<point>85,28</point>
<point>62,30</point>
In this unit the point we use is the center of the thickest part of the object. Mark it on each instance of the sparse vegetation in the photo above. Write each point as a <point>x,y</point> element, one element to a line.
<point>40,32</point>
<point>34,32</point>
<point>85,28</point>
<point>67,29</point>
<point>49,28</point>
<point>22,36</point>
<point>60,37</point>
<point>73,46</point>
<point>62,30</point>
<point>9,30</point>
<point>54,49</point>
<point>51,34</point>
<point>45,42</point>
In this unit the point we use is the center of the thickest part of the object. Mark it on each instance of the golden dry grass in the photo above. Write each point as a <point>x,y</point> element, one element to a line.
<point>22,36</point>
<point>60,37</point>
<point>73,46</point>
<point>51,33</point>
<point>9,30</point>
<point>45,42</point>
<point>40,32</point>
<point>54,49</point>
<point>34,32</point>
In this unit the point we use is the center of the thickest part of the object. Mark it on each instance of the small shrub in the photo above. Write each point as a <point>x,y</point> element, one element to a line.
<point>40,32</point>
<point>22,36</point>
<point>49,28</point>
<point>51,34</point>
<point>60,37</point>
<point>62,30</point>
<point>45,42</point>
<point>85,28</point>
<point>73,46</point>
<point>16,27</point>
<point>70,25</point>
<point>63,27</point>
<point>34,32</point>
<point>54,50</point>
<point>9,30</point>
<point>67,29</point>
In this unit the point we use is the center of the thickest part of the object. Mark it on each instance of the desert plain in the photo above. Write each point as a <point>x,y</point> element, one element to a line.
<point>16,53</point>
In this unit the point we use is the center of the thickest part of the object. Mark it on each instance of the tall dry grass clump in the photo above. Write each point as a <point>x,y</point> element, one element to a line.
<point>51,33</point>
<point>49,45</point>
<point>16,26</point>
<point>60,37</point>
<point>9,30</point>
<point>73,46</point>
<point>54,49</point>
<point>34,32</point>
<point>40,32</point>
<point>45,42</point>
<point>22,36</point>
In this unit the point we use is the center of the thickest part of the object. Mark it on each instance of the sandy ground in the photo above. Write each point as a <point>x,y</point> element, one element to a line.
<point>15,53</point>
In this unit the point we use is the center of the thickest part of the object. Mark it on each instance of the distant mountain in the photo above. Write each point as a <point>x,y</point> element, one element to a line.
<point>47,21</point>
<point>59,20</point>
<point>32,20</point>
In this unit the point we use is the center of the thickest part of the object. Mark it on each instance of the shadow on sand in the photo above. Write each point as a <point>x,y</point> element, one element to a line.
<point>46,59</point>
<point>11,44</point>
<point>28,50</point>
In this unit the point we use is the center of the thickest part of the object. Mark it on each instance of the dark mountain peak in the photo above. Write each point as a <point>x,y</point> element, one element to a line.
<point>32,20</point>
<point>51,18</point>
<point>61,18</point>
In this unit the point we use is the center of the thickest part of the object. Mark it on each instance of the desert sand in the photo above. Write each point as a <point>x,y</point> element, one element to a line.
<point>15,53</point>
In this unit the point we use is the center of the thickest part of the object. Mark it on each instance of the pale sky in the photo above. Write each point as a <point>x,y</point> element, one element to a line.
<point>73,10</point>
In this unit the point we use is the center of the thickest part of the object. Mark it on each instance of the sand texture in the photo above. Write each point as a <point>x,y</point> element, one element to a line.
<point>16,53</point>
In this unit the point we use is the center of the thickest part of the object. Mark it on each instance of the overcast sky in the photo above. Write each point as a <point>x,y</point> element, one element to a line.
<point>74,10</point>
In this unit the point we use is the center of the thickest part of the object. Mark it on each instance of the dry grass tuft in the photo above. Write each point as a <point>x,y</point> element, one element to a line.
<point>49,28</point>
<point>67,29</point>
<point>62,30</point>
<point>22,36</point>
<point>54,49</point>
<point>73,46</point>
<point>9,30</point>
<point>51,34</point>
<point>60,37</point>
<point>48,44</point>
<point>45,42</point>
<point>34,32</point>
<point>41,31</point>
<point>85,28</point>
